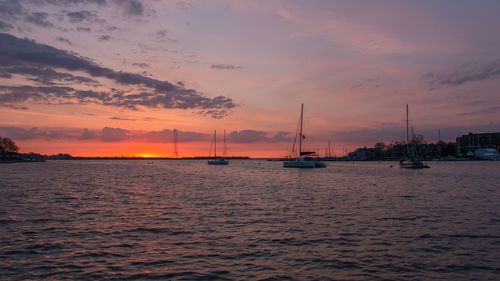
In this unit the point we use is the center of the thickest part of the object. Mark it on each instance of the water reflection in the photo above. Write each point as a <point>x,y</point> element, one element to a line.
<point>250,220</point>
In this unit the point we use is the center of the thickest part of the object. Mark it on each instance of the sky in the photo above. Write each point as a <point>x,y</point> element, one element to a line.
<point>117,77</point>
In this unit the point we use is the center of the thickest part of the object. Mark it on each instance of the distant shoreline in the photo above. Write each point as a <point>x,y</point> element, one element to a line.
<point>151,158</point>
<point>207,158</point>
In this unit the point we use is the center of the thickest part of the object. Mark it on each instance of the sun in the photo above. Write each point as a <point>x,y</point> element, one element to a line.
<point>147,155</point>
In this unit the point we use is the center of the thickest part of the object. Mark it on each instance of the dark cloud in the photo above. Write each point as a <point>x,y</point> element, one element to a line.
<point>16,53</point>
<point>17,133</point>
<point>141,65</point>
<point>225,66</point>
<point>368,83</point>
<point>84,29</point>
<point>5,26</point>
<point>114,134</point>
<point>184,5</point>
<point>217,114</point>
<point>281,137</point>
<point>47,76</point>
<point>50,95</point>
<point>107,134</point>
<point>484,111</point>
<point>14,106</point>
<point>67,3</point>
<point>5,74</point>
<point>80,16</point>
<point>87,135</point>
<point>131,7</point>
<point>64,40</point>
<point>104,38</point>
<point>28,10</point>
<point>123,119</point>
<point>161,33</point>
<point>167,136</point>
<point>19,94</point>
<point>39,18</point>
<point>10,9</point>
<point>463,75</point>
<point>249,136</point>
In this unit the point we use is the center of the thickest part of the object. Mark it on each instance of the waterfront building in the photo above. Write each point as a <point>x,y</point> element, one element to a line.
<point>361,154</point>
<point>468,144</point>
<point>7,156</point>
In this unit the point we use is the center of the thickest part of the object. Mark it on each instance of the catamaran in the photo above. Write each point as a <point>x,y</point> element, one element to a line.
<point>216,161</point>
<point>306,159</point>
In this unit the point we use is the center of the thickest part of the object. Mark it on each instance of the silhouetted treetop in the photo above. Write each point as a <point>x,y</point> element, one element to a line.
<point>8,145</point>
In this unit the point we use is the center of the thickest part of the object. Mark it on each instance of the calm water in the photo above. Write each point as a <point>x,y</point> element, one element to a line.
<point>251,220</point>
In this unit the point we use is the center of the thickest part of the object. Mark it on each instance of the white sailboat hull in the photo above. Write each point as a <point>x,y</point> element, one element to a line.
<point>412,164</point>
<point>303,162</point>
<point>320,164</point>
<point>218,162</point>
<point>299,164</point>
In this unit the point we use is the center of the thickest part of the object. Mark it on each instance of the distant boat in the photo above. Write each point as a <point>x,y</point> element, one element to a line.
<point>216,161</point>
<point>411,161</point>
<point>306,159</point>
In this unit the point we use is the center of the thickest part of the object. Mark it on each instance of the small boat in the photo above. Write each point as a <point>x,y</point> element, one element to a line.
<point>306,159</point>
<point>216,161</point>
<point>411,161</point>
<point>304,162</point>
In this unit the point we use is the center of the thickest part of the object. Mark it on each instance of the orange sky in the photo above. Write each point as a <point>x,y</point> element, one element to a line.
<point>115,80</point>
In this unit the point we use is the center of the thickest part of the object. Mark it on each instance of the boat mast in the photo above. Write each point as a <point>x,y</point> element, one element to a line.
<point>300,141</point>
<point>215,144</point>
<point>224,152</point>
<point>439,143</point>
<point>407,134</point>
<point>414,143</point>
<point>176,139</point>
<point>329,150</point>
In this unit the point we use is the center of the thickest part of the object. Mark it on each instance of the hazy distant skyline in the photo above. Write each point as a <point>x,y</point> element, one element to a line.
<point>109,77</point>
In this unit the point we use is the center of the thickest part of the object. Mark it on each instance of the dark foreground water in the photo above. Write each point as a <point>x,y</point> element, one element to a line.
<point>251,220</point>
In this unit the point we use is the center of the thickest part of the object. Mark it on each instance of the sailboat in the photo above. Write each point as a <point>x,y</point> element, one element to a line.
<point>306,159</point>
<point>216,161</point>
<point>411,161</point>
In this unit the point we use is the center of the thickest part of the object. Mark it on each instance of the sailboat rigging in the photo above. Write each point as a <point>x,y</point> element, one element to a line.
<point>411,161</point>
<point>306,159</point>
<point>216,161</point>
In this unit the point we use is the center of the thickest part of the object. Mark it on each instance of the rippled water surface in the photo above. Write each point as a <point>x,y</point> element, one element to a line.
<point>251,220</point>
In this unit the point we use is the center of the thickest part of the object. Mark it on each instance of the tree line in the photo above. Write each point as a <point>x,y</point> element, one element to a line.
<point>8,145</point>
<point>398,149</point>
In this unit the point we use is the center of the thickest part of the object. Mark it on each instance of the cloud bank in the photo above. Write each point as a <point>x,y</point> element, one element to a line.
<point>252,136</point>
<point>44,64</point>
<point>110,134</point>
<point>464,75</point>
<point>106,134</point>
<point>225,66</point>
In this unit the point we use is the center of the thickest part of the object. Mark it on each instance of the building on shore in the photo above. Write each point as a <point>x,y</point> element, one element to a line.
<point>361,154</point>
<point>7,156</point>
<point>468,144</point>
